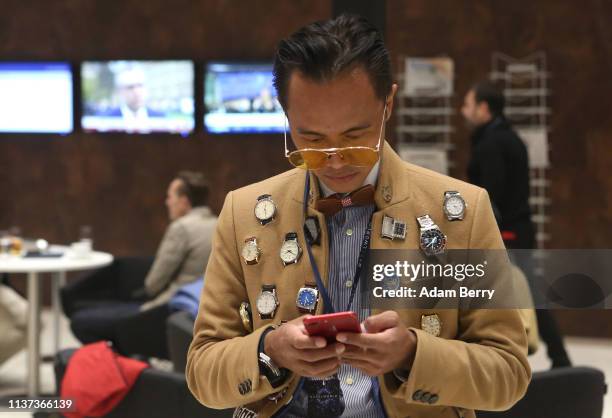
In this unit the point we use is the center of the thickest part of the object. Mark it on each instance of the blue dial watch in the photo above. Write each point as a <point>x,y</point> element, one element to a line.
<point>307,299</point>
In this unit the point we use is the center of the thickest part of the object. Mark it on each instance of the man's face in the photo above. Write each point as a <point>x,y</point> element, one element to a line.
<point>338,113</point>
<point>134,96</point>
<point>178,205</point>
<point>475,114</point>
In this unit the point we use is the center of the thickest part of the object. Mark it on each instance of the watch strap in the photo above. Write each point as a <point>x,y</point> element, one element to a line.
<point>425,222</point>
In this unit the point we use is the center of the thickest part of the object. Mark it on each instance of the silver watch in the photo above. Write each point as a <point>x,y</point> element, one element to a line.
<point>432,240</point>
<point>454,206</point>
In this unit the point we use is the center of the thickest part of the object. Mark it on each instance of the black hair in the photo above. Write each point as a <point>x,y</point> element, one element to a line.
<point>322,50</point>
<point>195,186</point>
<point>491,94</point>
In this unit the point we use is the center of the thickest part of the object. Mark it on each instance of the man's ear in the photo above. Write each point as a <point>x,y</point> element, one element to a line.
<point>390,101</point>
<point>483,110</point>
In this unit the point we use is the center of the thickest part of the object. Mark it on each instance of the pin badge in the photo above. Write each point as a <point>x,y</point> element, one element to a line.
<point>312,230</point>
<point>246,316</point>
<point>393,228</point>
<point>431,324</point>
<point>387,193</point>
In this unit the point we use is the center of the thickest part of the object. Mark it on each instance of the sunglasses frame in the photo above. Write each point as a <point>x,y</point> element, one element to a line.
<point>331,151</point>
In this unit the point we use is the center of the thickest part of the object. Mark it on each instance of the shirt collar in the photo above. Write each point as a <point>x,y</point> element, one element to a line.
<point>370,179</point>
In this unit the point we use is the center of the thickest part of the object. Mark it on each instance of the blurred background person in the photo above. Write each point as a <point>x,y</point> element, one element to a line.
<point>13,322</point>
<point>181,258</point>
<point>499,163</point>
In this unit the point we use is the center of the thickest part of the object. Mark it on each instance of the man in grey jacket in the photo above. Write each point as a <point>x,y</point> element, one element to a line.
<point>181,258</point>
<point>184,250</point>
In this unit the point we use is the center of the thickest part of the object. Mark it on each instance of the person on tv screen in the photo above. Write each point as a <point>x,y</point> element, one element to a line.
<point>130,86</point>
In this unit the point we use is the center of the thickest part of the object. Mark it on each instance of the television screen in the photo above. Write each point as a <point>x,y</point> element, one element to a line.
<point>241,98</point>
<point>36,97</point>
<point>138,96</point>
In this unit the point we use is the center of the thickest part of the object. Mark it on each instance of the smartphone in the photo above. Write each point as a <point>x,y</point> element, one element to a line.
<point>329,325</point>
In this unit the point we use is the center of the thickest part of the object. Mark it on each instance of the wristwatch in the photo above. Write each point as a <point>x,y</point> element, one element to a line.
<point>290,251</point>
<point>251,252</point>
<point>432,240</point>
<point>275,375</point>
<point>267,301</point>
<point>265,209</point>
<point>307,299</point>
<point>454,206</point>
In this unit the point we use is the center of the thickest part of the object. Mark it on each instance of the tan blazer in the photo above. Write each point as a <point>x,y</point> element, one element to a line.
<point>181,256</point>
<point>478,362</point>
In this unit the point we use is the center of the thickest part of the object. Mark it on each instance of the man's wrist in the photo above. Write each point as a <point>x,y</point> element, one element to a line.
<point>267,366</point>
<point>402,372</point>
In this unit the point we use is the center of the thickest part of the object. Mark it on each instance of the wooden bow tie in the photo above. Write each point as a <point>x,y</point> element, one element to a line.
<point>331,205</point>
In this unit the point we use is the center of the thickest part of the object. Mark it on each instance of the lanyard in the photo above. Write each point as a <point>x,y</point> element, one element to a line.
<point>363,255</point>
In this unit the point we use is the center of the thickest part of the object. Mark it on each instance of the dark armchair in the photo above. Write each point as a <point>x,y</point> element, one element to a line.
<point>142,333</point>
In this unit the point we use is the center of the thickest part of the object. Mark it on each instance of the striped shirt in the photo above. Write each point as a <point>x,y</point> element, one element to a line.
<point>346,232</point>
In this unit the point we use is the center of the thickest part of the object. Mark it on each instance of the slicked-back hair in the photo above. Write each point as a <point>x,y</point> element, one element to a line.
<point>321,51</point>
<point>195,186</point>
<point>491,94</point>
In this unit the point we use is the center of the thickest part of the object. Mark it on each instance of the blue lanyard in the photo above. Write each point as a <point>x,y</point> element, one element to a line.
<point>363,255</point>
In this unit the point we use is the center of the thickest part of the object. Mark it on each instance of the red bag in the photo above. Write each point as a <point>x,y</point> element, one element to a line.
<point>97,379</point>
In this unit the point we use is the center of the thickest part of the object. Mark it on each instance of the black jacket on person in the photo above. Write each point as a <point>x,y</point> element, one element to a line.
<point>499,163</point>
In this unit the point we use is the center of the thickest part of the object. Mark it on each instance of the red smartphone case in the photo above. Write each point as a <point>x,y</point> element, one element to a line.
<point>329,325</point>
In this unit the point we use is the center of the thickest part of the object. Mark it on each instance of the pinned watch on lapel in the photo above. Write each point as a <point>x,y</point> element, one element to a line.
<point>251,253</point>
<point>265,209</point>
<point>432,241</point>
<point>267,301</point>
<point>290,251</point>
<point>454,206</point>
<point>307,299</point>
<point>246,316</point>
<point>393,228</point>
<point>431,324</point>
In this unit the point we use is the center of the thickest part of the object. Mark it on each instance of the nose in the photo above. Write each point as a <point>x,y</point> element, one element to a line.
<point>335,161</point>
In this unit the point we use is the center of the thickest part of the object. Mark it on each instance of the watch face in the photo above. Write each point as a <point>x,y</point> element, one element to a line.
<point>264,209</point>
<point>266,303</point>
<point>307,298</point>
<point>431,324</point>
<point>454,206</point>
<point>391,283</point>
<point>290,251</point>
<point>433,241</point>
<point>250,251</point>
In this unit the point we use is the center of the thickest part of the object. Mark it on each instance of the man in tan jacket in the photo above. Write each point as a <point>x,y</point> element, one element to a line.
<point>276,239</point>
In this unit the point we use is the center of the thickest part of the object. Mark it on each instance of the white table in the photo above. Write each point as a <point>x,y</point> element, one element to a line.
<point>57,266</point>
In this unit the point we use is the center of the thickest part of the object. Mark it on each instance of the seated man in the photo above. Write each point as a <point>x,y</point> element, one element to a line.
<point>180,259</point>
